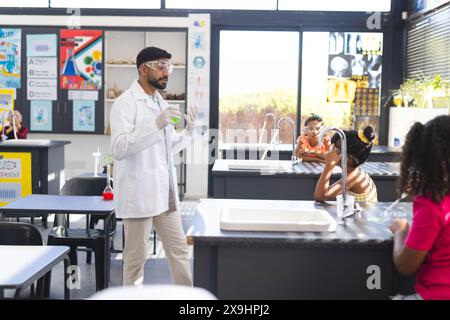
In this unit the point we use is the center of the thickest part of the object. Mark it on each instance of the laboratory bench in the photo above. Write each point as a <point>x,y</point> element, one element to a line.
<point>296,182</point>
<point>354,262</point>
<point>41,161</point>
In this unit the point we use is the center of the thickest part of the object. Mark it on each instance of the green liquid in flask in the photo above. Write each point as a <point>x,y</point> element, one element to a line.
<point>175,119</point>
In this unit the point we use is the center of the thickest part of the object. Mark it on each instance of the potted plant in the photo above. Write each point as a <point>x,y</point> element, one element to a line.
<point>423,92</point>
<point>441,93</point>
<point>423,99</point>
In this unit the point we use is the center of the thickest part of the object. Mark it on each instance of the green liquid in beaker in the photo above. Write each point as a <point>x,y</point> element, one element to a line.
<point>175,119</point>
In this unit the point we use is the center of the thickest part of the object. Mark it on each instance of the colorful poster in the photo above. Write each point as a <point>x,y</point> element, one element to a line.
<point>41,45</point>
<point>199,65</point>
<point>41,67</point>
<point>81,59</point>
<point>10,46</point>
<point>83,115</point>
<point>42,89</point>
<point>15,176</point>
<point>41,115</point>
<point>7,99</point>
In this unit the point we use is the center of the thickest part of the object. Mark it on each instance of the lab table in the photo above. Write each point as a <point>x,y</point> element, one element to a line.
<point>293,182</point>
<point>21,266</point>
<point>354,262</point>
<point>86,205</point>
<point>255,151</point>
<point>47,165</point>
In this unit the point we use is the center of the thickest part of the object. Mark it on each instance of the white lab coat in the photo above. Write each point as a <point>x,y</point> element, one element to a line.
<point>143,171</point>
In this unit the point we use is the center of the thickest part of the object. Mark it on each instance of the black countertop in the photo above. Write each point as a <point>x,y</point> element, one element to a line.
<point>366,231</point>
<point>378,169</point>
<point>24,146</point>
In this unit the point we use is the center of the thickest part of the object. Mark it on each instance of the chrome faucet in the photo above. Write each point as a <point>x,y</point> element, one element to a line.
<point>341,134</point>
<point>4,137</point>
<point>293,157</point>
<point>270,114</point>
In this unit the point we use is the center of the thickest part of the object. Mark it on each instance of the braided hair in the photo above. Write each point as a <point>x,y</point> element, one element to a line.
<point>359,144</point>
<point>425,160</point>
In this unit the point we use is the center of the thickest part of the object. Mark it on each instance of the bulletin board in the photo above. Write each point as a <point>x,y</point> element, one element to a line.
<point>15,176</point>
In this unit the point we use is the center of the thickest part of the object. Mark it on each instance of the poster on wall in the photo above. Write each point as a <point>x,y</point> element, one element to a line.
<point>7,99</point>
<point>41,67</point>
<point>81,59</point>
<point>41,115</point>
<point>15,176</point>
<point>10,53</point>
<point>83,115</point>
<point>354,70</point>
<point>41,45</point>
<point>41,89</point>
<point>199,65</point>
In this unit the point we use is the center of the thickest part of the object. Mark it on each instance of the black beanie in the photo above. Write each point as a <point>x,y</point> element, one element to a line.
<point>151,54</point>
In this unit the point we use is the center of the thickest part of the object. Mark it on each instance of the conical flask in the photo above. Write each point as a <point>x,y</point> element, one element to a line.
<point>108,193</point>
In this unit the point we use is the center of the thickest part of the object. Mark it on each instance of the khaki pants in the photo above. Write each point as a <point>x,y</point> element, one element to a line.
<point>170,231</point>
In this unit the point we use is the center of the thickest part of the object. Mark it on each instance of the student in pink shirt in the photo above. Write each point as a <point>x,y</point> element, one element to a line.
<point>423,248</point>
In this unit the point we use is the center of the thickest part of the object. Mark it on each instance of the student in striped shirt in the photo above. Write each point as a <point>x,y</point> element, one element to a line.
<point>359,183</point>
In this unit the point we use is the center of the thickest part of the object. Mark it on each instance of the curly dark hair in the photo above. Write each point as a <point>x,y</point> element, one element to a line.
<point>425,160</point>
<point>357,150</point>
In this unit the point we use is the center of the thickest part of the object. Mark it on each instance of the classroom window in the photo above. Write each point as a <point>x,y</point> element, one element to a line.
<point>258,75</point>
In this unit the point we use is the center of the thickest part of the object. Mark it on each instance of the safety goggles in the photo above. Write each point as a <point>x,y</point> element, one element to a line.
<point>160,65</point>
<point>316,129</point>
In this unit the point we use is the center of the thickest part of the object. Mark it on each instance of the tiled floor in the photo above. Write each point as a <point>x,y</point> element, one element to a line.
<point>156,270</point>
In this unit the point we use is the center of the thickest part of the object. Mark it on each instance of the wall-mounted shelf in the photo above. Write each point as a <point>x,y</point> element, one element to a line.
<point>120,75</point>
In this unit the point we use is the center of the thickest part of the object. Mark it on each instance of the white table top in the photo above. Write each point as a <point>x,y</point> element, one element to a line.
<point>21,264</point>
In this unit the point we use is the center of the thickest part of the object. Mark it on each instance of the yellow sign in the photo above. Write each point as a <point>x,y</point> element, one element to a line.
<point>15,176</point>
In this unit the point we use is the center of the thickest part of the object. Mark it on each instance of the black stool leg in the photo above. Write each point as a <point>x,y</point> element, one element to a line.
<point>73,256</point>
<point>91,223</point>
<point>99,264</point>
<point>66,278</point>
<point>44,221</point>
<point>48,276</point>
<point>88,257</point>
<point>154,242</point>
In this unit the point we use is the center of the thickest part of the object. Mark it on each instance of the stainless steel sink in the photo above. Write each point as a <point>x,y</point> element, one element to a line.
<point>264,219</point>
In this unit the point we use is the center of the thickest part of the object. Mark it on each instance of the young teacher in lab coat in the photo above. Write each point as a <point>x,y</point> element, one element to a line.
<point>143,142</point>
